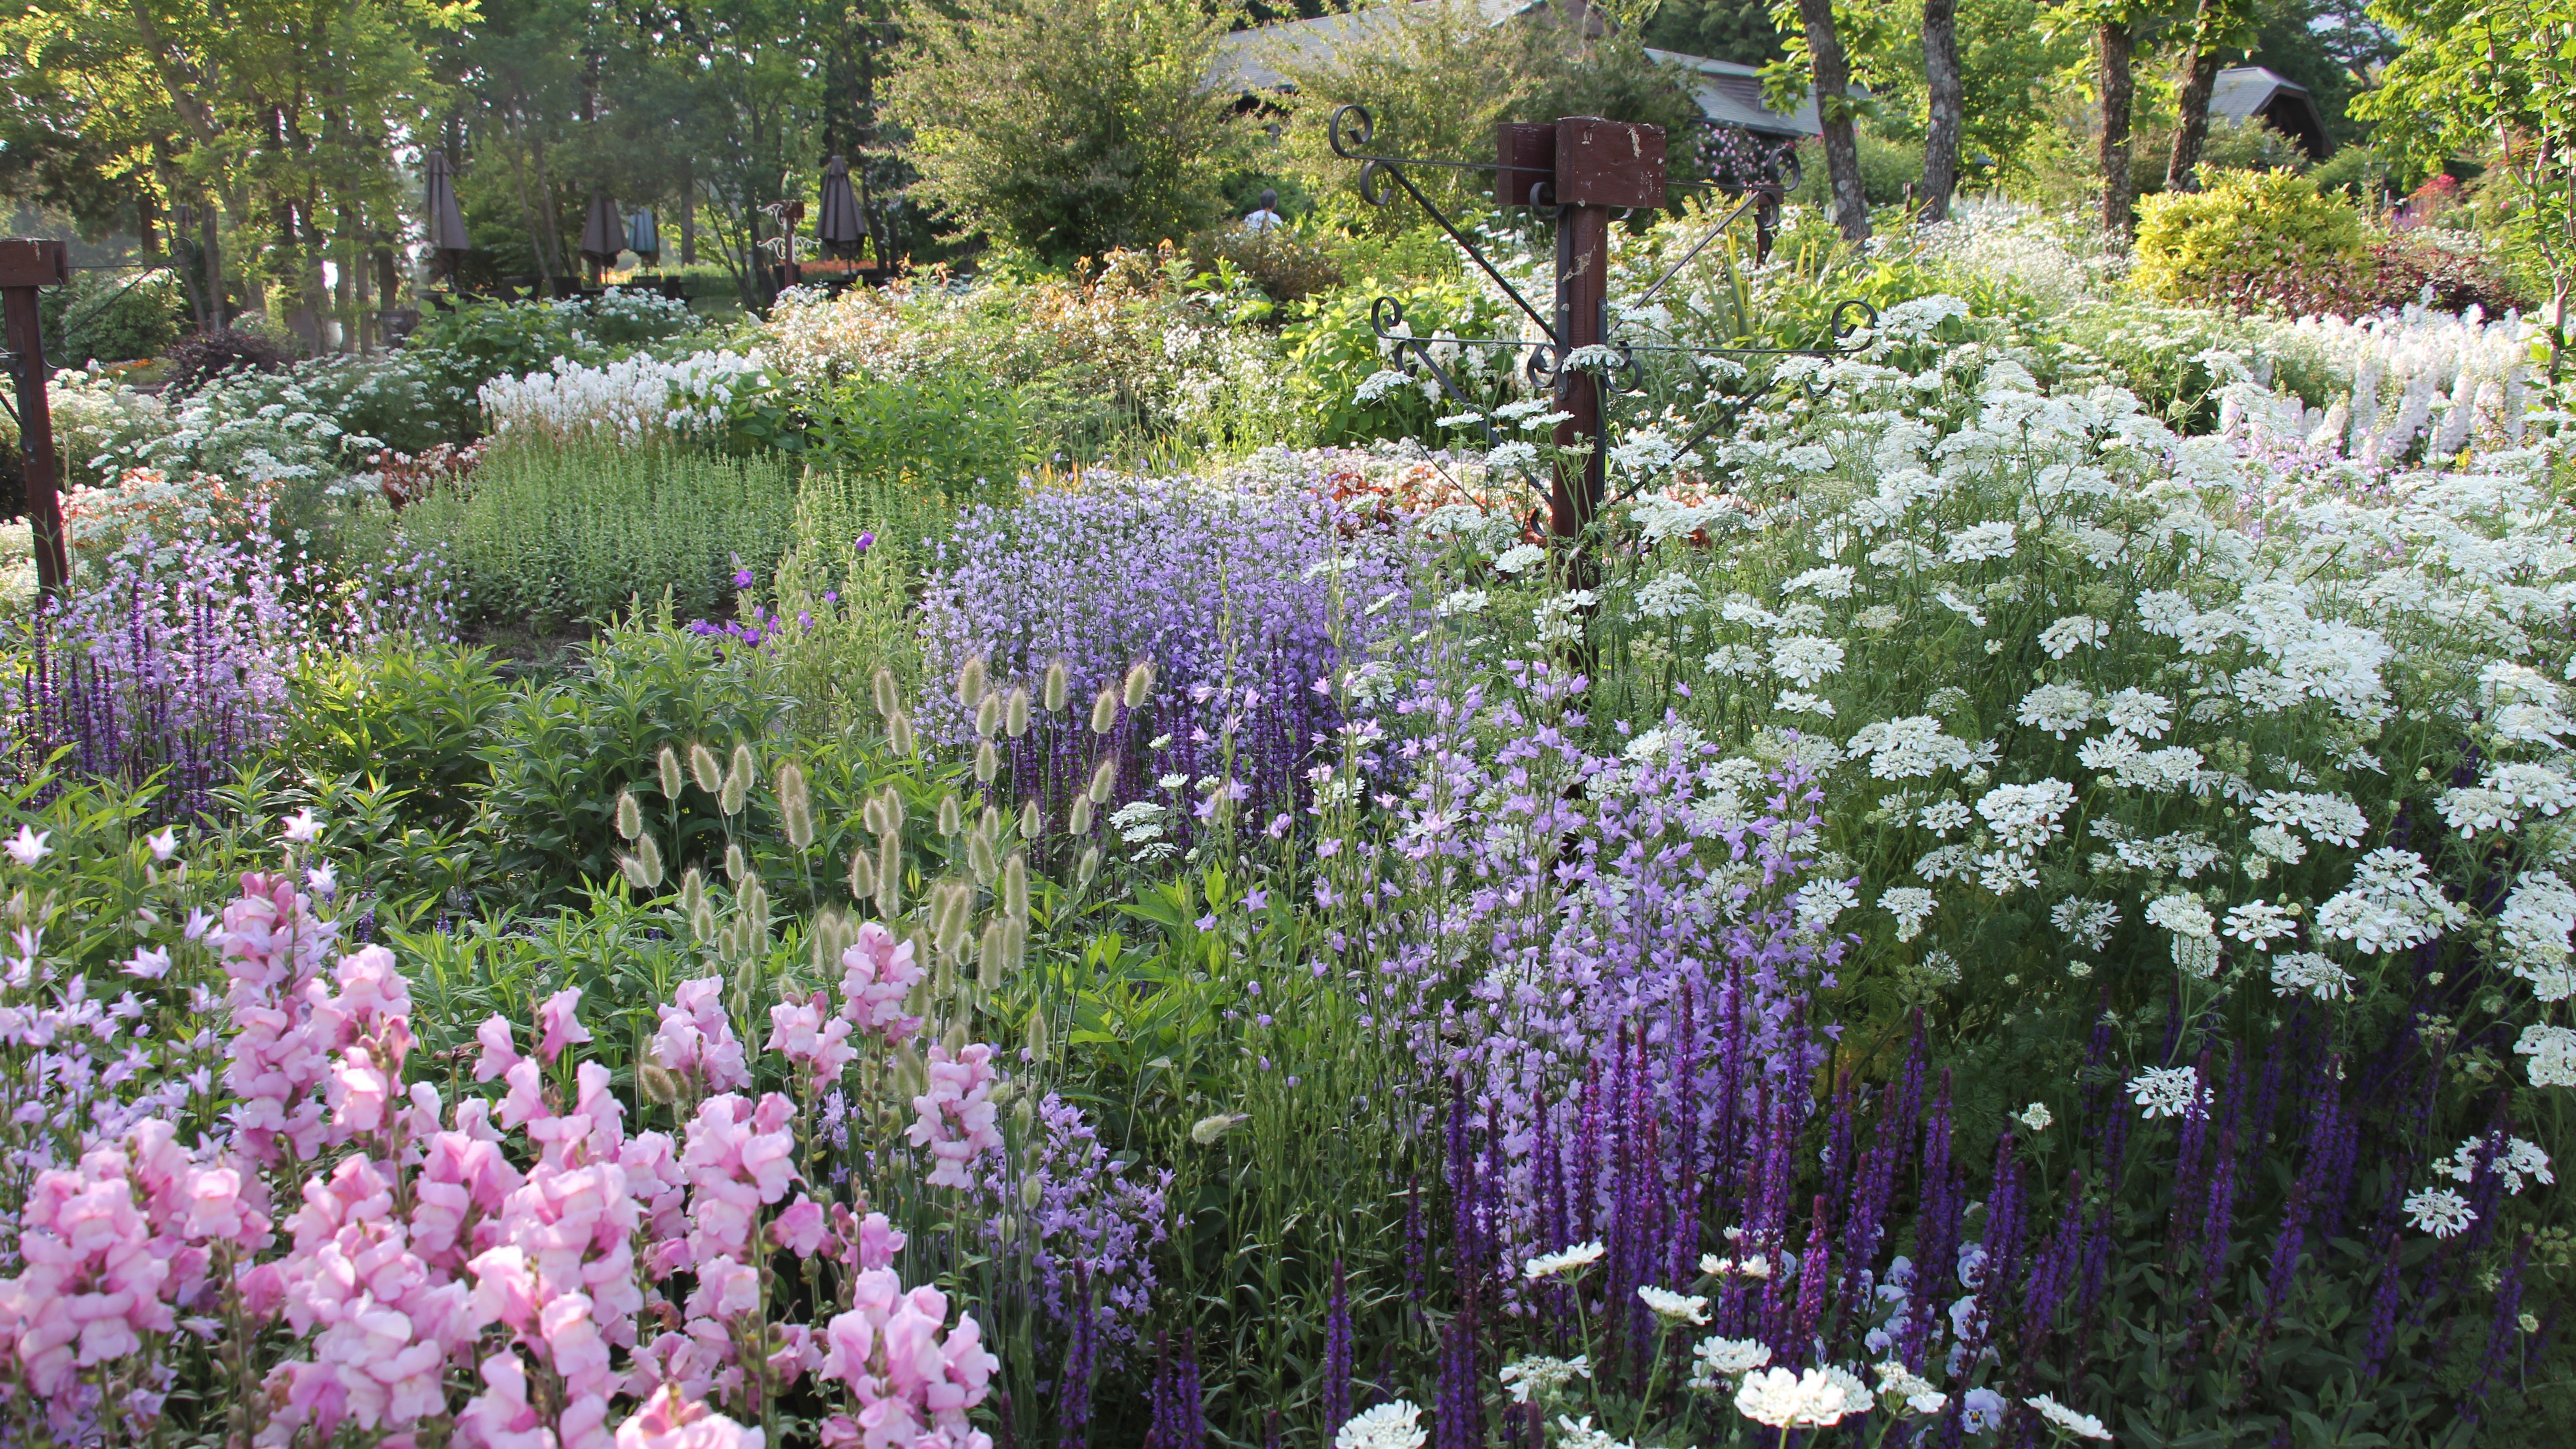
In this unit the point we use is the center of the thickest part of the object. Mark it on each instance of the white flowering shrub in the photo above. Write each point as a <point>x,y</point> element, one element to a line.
<point>2099,699</point>
<point>636,400</point>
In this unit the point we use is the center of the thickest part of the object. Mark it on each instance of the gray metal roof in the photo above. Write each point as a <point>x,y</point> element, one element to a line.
<point>1730,94</point>
<point>1251,61</point>
<point>2250,92</point>
<point>1258,59</point>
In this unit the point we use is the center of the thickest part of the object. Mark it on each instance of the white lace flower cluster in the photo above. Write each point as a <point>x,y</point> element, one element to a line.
<point>630,402</point>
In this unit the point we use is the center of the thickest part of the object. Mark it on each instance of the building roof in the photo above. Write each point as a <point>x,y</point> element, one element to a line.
<point>1256,60</point>
<point>2250,92</point>
<point>1730,94</point>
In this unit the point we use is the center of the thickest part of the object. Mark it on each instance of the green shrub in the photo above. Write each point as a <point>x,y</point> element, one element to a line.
<point>952,433</point>
<point>2249,234</point>
<point>405,714</point>
<point>1335,352</point>
<point>112,317</point>
<point>548,537</point>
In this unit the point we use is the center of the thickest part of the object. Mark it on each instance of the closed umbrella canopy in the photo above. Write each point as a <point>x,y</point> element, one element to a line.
<point>642,237</point>
<point>446,223</point>
<point>839,226</point>
<point>603,232</point>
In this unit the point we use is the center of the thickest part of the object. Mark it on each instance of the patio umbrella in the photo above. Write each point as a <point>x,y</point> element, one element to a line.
<point>642,238</point>
<point>447,234</point>
<point>603,232</point>
<point>839,228</point>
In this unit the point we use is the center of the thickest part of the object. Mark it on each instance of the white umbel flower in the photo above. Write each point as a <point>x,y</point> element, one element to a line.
<point>1391,1425</point>
<point>1673,1308</point>
<point>1570,1260</point>
<point>1785,1399</point>
<point>2068,1423</point>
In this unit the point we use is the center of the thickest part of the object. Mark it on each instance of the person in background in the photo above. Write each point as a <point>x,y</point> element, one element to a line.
<point>1267,216</point>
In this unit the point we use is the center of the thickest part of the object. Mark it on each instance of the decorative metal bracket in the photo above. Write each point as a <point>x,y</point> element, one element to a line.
<point>1584,169</point>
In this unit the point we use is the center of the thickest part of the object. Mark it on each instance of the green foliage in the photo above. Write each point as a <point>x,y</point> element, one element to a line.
<point>560,751</point>
<point>2474,71</point>
<point>957,435</point>
<point>553,537</point>
<point>108,316</point>
<point>1335,352</point>
<point>403,714</point>
<point>2193,245</point>
<point>1069,127</point>
<point>1435,79</point>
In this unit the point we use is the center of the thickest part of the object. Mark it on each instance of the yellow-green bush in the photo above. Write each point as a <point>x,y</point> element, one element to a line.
<point>2250,235</point>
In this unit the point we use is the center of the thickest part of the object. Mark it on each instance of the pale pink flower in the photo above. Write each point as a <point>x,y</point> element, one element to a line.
<point>559,1024</point>
<point>697,1038</point>
<point>669,1421</point>
<point>500,1051</point>
<point>877,975</point>
<point>956,1119</point>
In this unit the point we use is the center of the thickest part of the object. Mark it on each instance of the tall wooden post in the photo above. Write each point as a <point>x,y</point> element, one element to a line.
<point>1586,168</point>
<point>26,265</point>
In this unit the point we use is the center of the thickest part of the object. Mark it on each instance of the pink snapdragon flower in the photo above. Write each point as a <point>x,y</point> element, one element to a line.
<point>913,1378</point>
<point>877,975</point>
<point>559,1024</point>
<point>697,1038</point>
<point>273,949</point>
<point>670,1421</point>
<point>801,1032</point>
<point>957,1120</point>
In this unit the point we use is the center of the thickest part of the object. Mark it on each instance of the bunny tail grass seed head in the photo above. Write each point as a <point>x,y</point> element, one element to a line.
<point>1079,822</point>
<point>1087,867</point>
<point>1140,683</point>
<point>1104,778</point>
<point>693,890</point>
<point>1015,886</point>
<point>970,683</point>
<point>951,819</point>
<point>899,733</point>
<point>863,876</point>
<point>1104,711</point>
<point>890,877</point>
<point>746,765</point>
<point>1015,713</point>
<point>630,816</point>
<point>672,779</point>
<point>979,858</point>
<point>988,956</point>
<point>735,864</point>
<point>1058,678</point>
<point>1029,820</point>
<point>988,716</point>
<point>873,816</point>
<point>988,763</point>
<point>735,793</point>
<point>954,1038</point>
<point>888,700</point>
<point>1036,1038</point>
<point>633,869</point>
<point>796,805</point>
<point>648,856</point>
<point>703,768</point>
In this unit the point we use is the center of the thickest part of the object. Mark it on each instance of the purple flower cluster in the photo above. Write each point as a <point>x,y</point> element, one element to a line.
<point>173,659</point>
<point>1249,610</point>
<point>1093,1230</point>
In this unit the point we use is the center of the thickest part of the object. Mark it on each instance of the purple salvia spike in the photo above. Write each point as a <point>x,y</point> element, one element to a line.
<point>1815,1274</point>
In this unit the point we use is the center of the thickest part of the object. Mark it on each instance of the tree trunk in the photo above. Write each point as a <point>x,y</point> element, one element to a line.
<point>1832,71</point>
<point>2200,76</point>
<point>1948,97</point>
<point>2114,43</point>
<point>688,218</point>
